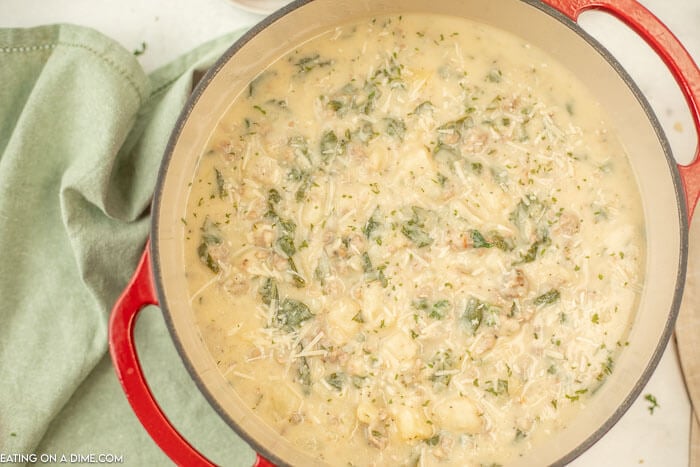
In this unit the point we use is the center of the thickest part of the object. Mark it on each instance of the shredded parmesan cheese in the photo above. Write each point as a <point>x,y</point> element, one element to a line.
<point>415,241</point>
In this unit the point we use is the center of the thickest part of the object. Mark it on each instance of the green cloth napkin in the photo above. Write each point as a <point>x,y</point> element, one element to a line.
<point>82,133</point>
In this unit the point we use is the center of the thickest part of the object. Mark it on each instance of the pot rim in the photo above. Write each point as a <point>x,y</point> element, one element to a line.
<point>544,8</point>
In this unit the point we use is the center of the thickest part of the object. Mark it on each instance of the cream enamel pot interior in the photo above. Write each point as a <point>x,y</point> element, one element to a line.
<point>669,193</point>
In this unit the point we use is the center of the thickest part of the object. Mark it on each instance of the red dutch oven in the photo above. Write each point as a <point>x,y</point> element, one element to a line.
<point>669,194</point>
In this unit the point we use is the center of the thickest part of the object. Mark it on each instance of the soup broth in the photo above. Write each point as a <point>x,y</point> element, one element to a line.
<point>415,240</point>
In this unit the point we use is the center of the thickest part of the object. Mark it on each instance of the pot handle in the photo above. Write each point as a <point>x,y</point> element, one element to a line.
<point>138,294</point>
<point>674,55</point>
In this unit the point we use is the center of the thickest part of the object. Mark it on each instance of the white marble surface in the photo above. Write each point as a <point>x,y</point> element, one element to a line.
<point>171,27</point>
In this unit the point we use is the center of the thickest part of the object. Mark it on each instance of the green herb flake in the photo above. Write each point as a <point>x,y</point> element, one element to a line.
<point>653,403</point>
<point>548,298</point>
<point>576,395</point>
<point>141,50</point>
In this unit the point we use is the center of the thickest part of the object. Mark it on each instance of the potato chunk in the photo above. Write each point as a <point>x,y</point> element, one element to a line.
<point>366,412</point>
<point>340,324</point>
<point>263,169</point>
<point>398,346</point>
<point>284,402</point>
<point>458,414</point>
<point>412,424</point>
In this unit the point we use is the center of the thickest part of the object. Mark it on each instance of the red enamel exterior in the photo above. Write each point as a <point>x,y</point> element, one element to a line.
<point>138,294</point>
<point>675,56</point>
<point>141,292</point>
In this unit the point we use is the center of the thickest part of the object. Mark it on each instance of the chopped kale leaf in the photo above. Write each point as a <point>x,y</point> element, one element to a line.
<point>331,146</point>
<point>291,314</point>
<point>413,229</point>
<point>336,380</point>
<point>310,62</point>
<point>268,291</point>
<point>478,240</point>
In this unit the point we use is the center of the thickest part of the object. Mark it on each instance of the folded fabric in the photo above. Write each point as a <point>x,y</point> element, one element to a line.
<point>82,133</point>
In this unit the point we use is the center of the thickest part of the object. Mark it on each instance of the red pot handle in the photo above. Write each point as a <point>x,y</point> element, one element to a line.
<point>671,51</point>
<point>139,293</point>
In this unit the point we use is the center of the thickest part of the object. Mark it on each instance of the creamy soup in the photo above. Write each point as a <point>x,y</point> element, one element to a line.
<point>415,240</point>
